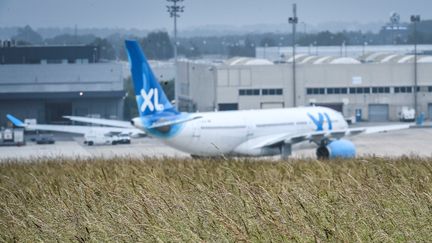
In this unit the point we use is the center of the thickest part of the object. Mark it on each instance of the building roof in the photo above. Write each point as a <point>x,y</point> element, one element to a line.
<point>247,61</point>
<point>344,60</point>
<point>425,59</point>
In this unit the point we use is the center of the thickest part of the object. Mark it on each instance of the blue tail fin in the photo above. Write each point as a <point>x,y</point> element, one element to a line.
<point>150,97</point>
<point>17,122</point>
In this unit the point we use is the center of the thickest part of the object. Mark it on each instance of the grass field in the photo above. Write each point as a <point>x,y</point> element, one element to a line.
<point>125,199</point>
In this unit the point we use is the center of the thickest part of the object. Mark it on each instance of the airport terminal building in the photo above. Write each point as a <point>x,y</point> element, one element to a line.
<point>48,82</point>
<point>375,86</point>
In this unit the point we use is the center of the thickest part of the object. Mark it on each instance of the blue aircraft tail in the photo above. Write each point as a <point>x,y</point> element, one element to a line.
<point>150,97</point>
<point>17,122</point>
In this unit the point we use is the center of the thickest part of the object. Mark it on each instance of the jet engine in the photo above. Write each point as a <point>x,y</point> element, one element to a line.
<point>336,149</point>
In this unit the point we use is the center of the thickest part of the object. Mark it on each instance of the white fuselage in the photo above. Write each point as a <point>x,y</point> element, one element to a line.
<point>224,133</point>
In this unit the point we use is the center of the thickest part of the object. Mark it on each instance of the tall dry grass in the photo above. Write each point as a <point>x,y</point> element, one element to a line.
<point>125,199</point>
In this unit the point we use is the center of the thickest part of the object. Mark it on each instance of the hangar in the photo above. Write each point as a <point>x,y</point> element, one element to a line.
<point>47,82</point>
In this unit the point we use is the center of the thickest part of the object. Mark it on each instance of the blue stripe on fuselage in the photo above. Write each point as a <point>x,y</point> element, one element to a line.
<point>319,123</point>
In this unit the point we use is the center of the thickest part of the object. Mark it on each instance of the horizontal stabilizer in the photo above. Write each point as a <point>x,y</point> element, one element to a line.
<point>172,122</point>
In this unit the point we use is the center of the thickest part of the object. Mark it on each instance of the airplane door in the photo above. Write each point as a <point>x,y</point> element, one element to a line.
<point>250,127</point>
<point>196,130</point>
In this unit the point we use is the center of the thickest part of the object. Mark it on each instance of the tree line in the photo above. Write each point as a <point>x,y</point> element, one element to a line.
<point>158,45</point>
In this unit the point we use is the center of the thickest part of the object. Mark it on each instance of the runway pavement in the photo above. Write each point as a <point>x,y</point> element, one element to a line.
<point>414,141</point>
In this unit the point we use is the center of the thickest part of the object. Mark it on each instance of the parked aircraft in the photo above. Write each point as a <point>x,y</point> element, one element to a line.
<point>238,133</point>
<point>92,134</point>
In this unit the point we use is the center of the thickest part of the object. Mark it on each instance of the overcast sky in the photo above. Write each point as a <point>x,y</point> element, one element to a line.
<point>151,14</point>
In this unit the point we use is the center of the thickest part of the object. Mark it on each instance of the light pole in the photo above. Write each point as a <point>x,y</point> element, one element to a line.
<point>316,48</point>
<point>174,9</point>
<point>294,20</point>
<point>415,19</point>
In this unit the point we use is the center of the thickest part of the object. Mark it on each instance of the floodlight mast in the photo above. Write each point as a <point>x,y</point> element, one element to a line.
<point>174,9</point>
<point>415,19</point>
<point>294,20</point>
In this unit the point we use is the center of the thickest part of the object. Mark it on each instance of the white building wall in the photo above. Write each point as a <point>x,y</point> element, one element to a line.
<point>231,79</point>
<point>197,86</point>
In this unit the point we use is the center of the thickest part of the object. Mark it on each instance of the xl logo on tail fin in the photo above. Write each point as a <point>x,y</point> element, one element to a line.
<point>152,105</point>
<point>319,123</point>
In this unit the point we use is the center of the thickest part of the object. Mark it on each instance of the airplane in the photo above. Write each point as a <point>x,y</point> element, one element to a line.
<point>90,132</point>
<point>238,133</point>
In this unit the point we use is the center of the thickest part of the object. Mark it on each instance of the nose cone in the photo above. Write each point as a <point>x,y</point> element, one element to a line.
<point>136,122</point>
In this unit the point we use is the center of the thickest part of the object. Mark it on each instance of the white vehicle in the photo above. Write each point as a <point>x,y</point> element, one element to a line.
<point>123,138</point>
<point>407,114</point>
<point>99,139</point>
<point>238,133</point>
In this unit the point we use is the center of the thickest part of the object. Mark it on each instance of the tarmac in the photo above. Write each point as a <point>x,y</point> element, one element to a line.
<point>409,142</point>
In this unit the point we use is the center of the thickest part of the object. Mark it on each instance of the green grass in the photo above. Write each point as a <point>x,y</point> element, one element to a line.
<point>125,199</point>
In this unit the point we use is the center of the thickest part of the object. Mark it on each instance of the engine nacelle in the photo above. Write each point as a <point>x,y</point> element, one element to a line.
<point>337,149</point>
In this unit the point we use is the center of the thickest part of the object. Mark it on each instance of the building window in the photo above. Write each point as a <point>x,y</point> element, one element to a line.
<point>358,90</point>
<point>228,106</point>
<point>380,90</point>
<point>275,91</point>
<point>403,89</point>
<point>429,88</point>
<point>249,92</point>
<point>314,91</point>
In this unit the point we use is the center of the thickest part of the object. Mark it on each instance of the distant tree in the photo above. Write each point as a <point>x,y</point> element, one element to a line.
<point>118,43</point>
<point>106,50</point>
<point>157,45</point>
<point>189,50</point>
<point>424,32</point>
<point>246,49</point>
<point>23,43</point>
<point>267,41</point>
<point>67,39</point>
<point>28,35</point>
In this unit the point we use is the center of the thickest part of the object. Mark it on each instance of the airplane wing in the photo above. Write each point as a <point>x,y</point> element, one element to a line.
<point>317,137</point>
<point>99,121</point>
<point>71,128</point>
